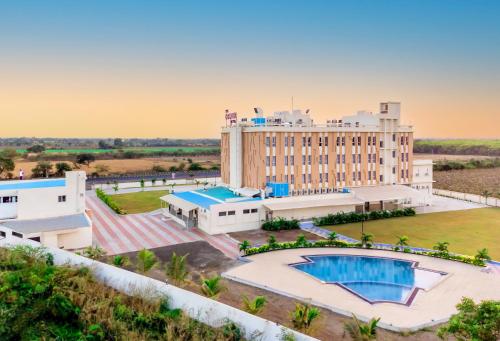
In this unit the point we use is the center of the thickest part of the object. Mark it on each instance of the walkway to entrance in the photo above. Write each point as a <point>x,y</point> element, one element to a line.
<point>132,232</point>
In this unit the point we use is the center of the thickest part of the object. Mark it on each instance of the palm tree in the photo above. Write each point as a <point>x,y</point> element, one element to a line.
<point>486,194</point>
<point>176,269</point>
<point>441,247</point>
<point>332,237</point>
<point>116,187</point>
<point>211,287</point>
<point>244,246</point>
<point>272,242</point>
<point>254,306</point>
<point>142,184</point>
<point>121,261</point>
<point>359,331</point>
<point>146,260</point>
<point>303,316</point>
<point>483,255</point>
<point>402,242</point>
<point>366,239</point>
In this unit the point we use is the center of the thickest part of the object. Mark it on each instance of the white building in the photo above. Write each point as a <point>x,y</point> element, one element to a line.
<point>422,178</point>
<point>50,211</point>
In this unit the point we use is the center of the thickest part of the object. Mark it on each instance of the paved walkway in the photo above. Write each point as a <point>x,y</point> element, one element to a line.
<point>444,204</point>
<point>308,226</point>
<point>133,232</point>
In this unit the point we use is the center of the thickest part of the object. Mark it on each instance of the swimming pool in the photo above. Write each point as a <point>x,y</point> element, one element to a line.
<point>375,279</point>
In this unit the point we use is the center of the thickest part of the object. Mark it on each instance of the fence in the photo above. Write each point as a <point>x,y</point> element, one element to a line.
<point>198,307</point>
<point>479,199</point>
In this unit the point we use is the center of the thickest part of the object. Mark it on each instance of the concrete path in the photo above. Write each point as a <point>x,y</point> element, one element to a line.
<point>178,188</point>
<point>444,204</point>
<point>132,232</point>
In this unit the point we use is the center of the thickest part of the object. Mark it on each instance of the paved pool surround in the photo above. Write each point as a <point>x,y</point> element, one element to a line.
<point>431,305</point>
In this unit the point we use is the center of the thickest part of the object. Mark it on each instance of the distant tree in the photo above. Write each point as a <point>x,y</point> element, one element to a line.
<point>62,168</point>
<point>486,194</point>
<point>195,167</point>
<point>118,143</point>
<point>116,187</point>
<point>103,145</point>
<point>181,166</point>
<point>37,149</point>
<point>158,169</point>
<point>142,183</point>
<point>85,159</point>
<point>172,169</point>
<point>189,160</point>
<point>6,162</point>
<point>42,169</point>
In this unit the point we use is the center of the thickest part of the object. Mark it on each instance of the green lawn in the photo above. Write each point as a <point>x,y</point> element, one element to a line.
<point>466,231</point>
<point>139,202</point>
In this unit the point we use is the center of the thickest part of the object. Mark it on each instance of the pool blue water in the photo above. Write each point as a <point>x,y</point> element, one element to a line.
<point>373,278</point>
<point>221,193</point>
<point>29,184</point>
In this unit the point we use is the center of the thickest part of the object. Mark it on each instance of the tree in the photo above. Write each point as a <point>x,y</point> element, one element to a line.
<point>94,252</point>
<point>482,255</point>
<point>359,331</point>
<point>116,187</point>
<point>176,269</point>
<point>103,145</point>
<point>62,168</point>
<point>366,239</point>
<point>254,306</point>
<point>85,159</point>
<point>118,143</point>
<point>303,316</point>
<point>272,242</point>
<point>37,149</point>
<point>301,240</point>
<point>402,241</point>
<point>195,167</point>
<point>474,321</point>
<point>142,184</point>
<point>332,237</point>
<point>211,287</point>
<point>42,170</point>
<point>441,247</point>
<point>486,194</point>
<point>6,163</point>
<point>146,260</point>
<point>244,246</point>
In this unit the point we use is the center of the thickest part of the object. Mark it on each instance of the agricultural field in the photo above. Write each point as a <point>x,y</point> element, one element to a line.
<point>466,231</point>
<point>126,166</point>
<point>473,181</point>
<point>139,202</point>
<point>489,147</point>
<point>147,150</point>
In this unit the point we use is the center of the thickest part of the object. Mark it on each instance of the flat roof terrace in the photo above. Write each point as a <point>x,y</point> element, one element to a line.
<point>30,184</point>
<point>210,196</point>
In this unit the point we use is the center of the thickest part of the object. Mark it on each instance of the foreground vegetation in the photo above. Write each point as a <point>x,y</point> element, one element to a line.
<point>467,230</point>
<point>458,146</point>
<point>354,217</point>
<point>41,301</point>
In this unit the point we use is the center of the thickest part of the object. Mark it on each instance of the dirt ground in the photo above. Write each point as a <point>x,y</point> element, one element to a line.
<point>205,260</point>
<point>260,236</point>
<point>473,181</point>
<point>439,157</point>
<point>126,165</point>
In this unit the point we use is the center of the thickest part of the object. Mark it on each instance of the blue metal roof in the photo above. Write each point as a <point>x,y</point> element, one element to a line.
<point>30,184</point>
<point>196,199</point>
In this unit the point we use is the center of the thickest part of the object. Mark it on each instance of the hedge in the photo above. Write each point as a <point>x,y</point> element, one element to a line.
<point>342,244</point>
<point>109,201</point>
<point>281,224</point>
<point>353,217</point>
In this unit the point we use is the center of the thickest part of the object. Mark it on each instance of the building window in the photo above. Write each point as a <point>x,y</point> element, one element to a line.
<point>286,141</point>
<point>402,173</point>
<point>407,173</point>
<point>374,141</point>
<point>381,144</point>
<point>303,141</point>
<point>338,141</point>
<point>254,210</point>
<point>274,160</point>
<point>326,159</point>
<point>247,211</point>
<point>343,140</point>
<point>303,178</point>
<point>393,170</point>
<point>353,158</point>
<point>267,141</point>
<point>381,178</point>
<point>338,158</point>
<point>231,213</point>
<point>343,176</point>
<point>309,177</point>
<point>304,160</point>
<point>354,176</point>
<point>402,156</point>
<point>309,142</point>
<point>274,141</point>
<point>268,179</point>
<point>359,175</point>
<point>393,137</point>
<point>292,141</point>
<point>61,198</point>
<point>359,158</point>
<point>17,234</point>
<point>359,140</point>
<point>407,139</point>
<point>369,140</point>
<point>274,178</point>
<point>292,161</point>
<point>353,141</point>
<point>268,160</point>
<point>338,176</point>
<point>286,178</point>
<point>3,234</point>
<point>286,160</point>
<point>407,157</point>
<point>393,153</point>
<point>320,177</point>
<point>320,141</point>
<point>326,177</point>
<point>309,159</point>
<point>222,214</point>
<point>369,158</point>
<point>292,178</point>
<point>381,161</point>
<point>374,175</point>
<point>343,158</point>
<point>326,141</point>
<point>402,140</point>
<point>369,175</point>
<point>321,159</point>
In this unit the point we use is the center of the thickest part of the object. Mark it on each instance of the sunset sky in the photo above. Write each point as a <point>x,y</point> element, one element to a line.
<point>170,69</point>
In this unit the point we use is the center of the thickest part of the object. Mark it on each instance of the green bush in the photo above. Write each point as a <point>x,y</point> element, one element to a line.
<point>278,224</point>
<point>353,217</point>
<point>109,201</point>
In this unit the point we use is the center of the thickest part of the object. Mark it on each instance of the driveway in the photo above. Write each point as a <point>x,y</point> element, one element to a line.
<point>132,232</point>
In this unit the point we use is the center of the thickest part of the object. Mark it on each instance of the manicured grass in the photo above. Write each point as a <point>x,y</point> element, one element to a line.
<point>466,231</point>
<point>139,202</point>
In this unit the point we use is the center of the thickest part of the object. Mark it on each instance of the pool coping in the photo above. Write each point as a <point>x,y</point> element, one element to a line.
<point>407,302</point>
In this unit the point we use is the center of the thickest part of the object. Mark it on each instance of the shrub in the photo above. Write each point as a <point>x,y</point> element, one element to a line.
<point>176,269</point>
<point>353,217</point>
<point>359,331</point>
<point>109,201</point>
<point>254,306</point>
<point>211,287</point>
<point>146,260</point>
<point>278,224</point>
<point>303,316</point>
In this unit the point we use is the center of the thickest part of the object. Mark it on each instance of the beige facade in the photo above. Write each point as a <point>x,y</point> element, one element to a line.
<point>363,150</point>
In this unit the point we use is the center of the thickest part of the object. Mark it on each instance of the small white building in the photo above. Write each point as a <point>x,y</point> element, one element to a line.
<point>50,211</point>
<point>423,178</point>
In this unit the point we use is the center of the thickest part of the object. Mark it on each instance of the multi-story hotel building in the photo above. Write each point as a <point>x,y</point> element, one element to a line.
<point>361,150</point>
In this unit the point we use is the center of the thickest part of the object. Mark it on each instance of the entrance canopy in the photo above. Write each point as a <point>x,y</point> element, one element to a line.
<point>305,202</point>
<point>179,203</point>
<point>386,193</point>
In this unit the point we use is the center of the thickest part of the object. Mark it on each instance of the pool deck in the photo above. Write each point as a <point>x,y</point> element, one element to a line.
<point>271,271</point>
